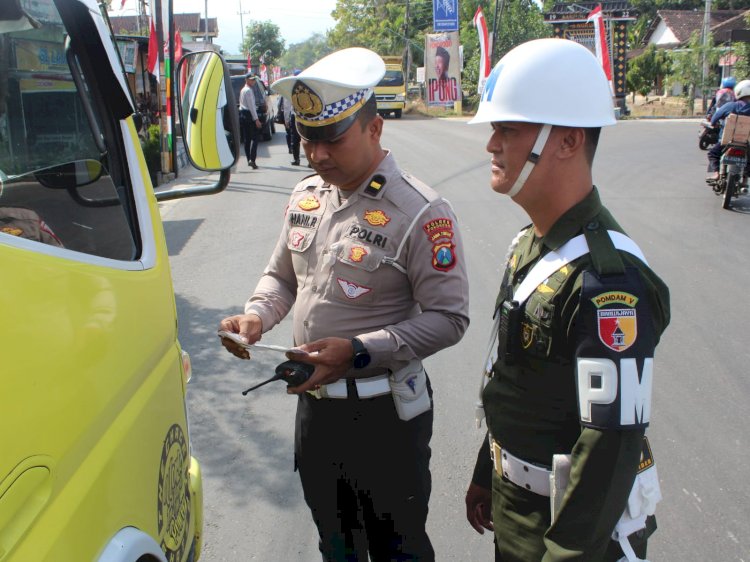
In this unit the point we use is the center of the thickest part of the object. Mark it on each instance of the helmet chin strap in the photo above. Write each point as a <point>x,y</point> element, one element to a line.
<point>534,155</point>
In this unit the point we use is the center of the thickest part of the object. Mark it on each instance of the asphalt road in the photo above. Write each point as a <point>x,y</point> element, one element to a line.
<point>650,174</point>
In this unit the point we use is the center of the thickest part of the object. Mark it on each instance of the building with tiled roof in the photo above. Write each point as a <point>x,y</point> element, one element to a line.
<point>672,28</point>
<point>192,26</point>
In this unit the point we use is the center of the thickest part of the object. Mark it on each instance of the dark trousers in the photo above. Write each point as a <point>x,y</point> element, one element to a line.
<point>293,138</point>
<point>366,478</point>
<point>714,156</point>
<point>250,135</point>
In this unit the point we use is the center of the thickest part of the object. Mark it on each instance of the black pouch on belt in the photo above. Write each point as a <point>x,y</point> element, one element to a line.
<point>509,331</point>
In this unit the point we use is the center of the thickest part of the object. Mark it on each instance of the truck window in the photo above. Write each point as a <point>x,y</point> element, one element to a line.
<point>55,187</point>
<point>392,78</point>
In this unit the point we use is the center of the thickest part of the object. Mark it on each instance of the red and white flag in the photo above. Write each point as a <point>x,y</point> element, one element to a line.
<point>484,48</point>
<point>600,41</point>
<point>177,46</point>
<point>123,4</point>
<point>264,74</point>
<point>249,62</point>
<point>152,64</point>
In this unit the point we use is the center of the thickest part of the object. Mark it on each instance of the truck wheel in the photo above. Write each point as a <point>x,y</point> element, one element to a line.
<point>397,113</point>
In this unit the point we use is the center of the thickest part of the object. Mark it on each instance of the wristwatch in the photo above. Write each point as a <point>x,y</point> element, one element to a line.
<point>361,358</point>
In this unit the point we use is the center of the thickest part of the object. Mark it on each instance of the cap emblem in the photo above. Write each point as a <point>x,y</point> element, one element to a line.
<point>306,102</point>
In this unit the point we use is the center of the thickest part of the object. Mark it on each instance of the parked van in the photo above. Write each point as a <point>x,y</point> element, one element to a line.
<point>390,92</point>
<point>95,458</point>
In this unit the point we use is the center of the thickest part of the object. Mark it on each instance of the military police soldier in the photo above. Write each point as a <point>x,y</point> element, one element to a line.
<point>566,472</point>
<point>372,260</point>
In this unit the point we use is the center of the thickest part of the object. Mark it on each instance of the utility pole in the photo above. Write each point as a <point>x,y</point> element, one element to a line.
<point>493,51</point>
<point>408,45</point>
<point>706,38</point>
<point>242,26</point>
<point>205,30</point>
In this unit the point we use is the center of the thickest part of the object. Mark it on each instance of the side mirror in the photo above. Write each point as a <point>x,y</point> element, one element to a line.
<point>207,111</point>
<point>71,175</point>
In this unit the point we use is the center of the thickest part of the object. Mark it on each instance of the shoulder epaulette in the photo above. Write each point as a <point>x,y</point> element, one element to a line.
<point>429,194</point>
<point>313,180</point>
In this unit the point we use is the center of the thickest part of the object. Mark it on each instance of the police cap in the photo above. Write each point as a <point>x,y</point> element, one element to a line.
<point>327,96</point>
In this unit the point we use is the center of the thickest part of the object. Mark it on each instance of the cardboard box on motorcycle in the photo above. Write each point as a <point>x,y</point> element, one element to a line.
<point>95,458</point>
<point>736,129</point>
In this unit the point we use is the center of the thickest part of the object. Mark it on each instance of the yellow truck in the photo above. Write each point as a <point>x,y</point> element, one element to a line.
<point>390,93</point>
<point>95,457</point>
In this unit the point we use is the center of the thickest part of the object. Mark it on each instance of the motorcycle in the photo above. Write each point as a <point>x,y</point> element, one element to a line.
<point>732,179</point>
<point>708,134</point>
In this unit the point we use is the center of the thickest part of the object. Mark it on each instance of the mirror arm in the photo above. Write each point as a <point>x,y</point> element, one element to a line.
<point>195,191</point>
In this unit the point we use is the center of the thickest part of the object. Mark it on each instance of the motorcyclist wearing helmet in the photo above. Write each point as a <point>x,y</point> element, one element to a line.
<point>579,314</point>
<point>741,107</point>
<point>723,95</point>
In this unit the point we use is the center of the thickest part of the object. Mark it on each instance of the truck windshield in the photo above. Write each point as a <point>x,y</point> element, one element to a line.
<point>392,78</point>
<point>54,185</point>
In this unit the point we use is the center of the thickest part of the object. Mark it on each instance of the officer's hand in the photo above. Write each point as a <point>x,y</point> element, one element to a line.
<point>248,326</point>
<point>479,508</point>
<point>257,123</point>
<point>332,358</point>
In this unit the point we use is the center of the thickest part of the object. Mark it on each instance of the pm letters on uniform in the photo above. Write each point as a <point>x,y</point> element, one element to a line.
<point>614,355</point>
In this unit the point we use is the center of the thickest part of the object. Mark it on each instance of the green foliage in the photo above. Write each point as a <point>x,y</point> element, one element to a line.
<point>301,55</point>
<point>263,36</point>
<point>645,70</point>
<point>687,65</point>
<point>742,50</point>
<point>381,25</point>
<point>152,151</point>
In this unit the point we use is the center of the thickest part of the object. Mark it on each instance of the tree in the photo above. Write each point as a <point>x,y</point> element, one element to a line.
<point>742,51</point>
<point>687,65</point>
<point>263,37</point>
<point>301,55</point>
<point>647,69</point>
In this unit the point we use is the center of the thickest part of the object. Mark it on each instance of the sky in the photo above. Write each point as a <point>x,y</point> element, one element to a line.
<point>297,19</point>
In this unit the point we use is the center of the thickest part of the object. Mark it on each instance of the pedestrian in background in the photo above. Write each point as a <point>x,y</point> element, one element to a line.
<point>249,119</point>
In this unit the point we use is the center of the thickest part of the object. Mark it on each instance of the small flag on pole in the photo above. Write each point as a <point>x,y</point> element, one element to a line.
<point>153,51</point>
<point>484,61</point>
<point>600,41</point>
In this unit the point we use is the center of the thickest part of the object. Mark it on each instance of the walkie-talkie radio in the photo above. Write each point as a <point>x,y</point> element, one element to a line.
<point>294,373</point>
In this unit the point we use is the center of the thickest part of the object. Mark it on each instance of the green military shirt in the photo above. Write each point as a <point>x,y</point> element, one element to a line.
<point>532,405</point>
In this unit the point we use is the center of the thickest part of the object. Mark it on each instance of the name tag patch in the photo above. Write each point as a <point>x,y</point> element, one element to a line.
<point>367,235</point>
<point>305,220</point>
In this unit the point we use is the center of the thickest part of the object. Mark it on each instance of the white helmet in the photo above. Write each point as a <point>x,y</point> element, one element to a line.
<point>742,89</point>
<point>552,81</point>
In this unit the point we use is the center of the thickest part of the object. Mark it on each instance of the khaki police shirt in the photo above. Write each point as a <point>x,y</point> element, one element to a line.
<point>333,261</point>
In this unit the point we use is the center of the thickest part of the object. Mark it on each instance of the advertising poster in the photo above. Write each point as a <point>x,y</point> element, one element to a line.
<point>442,69</point>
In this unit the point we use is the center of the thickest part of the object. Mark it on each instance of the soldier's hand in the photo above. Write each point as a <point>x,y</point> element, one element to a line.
<point>248,326</point>
<point>332,358</point>
<point>479,508</point>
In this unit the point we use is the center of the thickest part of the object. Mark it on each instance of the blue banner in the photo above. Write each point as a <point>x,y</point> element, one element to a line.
<point>445,15</point>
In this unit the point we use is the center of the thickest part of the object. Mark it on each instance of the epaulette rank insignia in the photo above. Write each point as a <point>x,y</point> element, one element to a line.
<point>376,184</point>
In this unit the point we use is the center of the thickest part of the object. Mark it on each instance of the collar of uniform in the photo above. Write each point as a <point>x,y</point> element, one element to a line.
<point>573,220</point>
<point>388,169</point>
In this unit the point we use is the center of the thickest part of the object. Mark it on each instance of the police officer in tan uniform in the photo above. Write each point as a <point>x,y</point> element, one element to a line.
<point>373,262</point>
